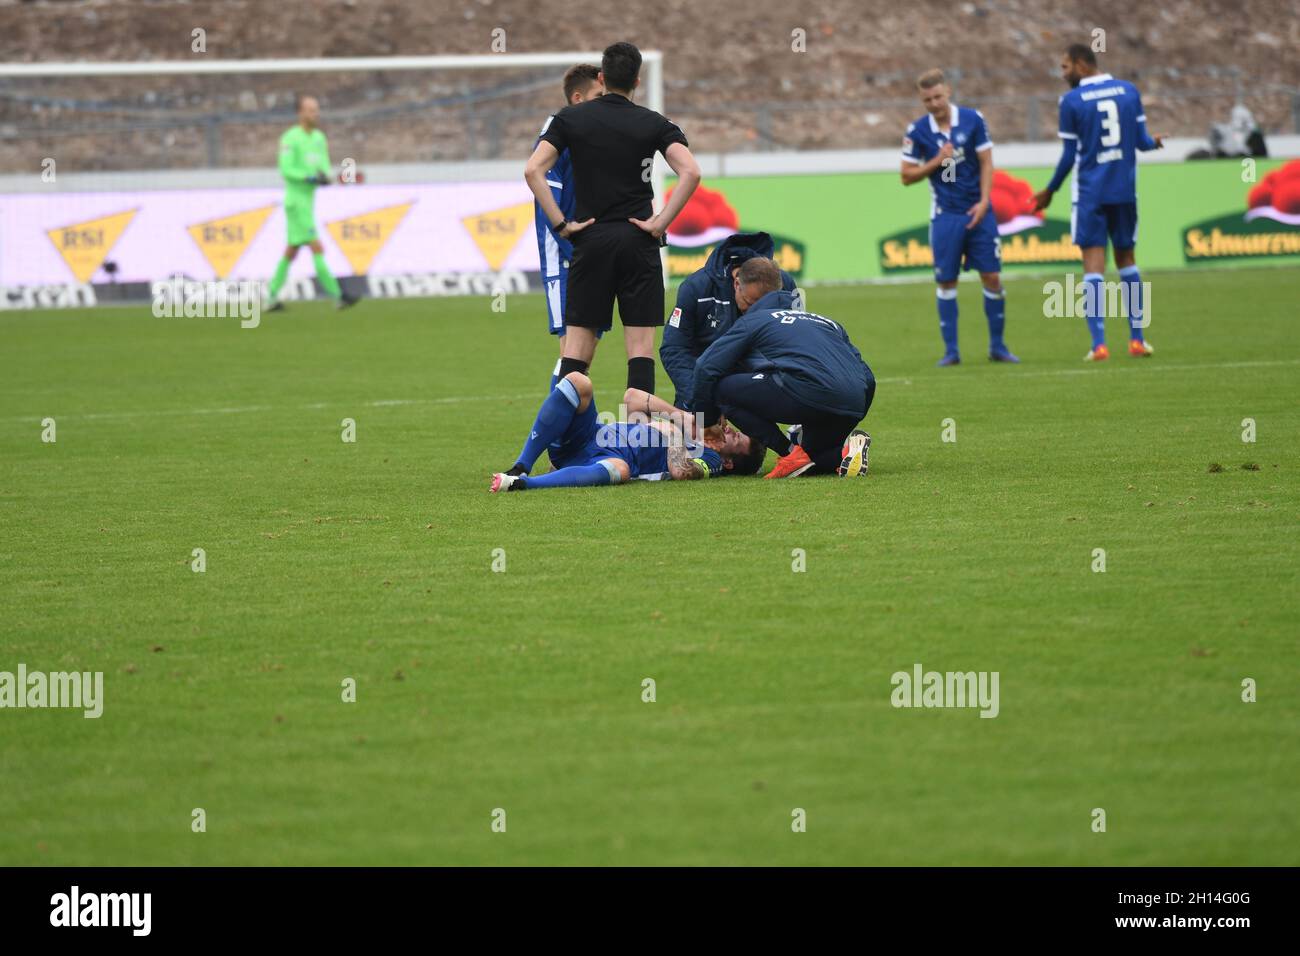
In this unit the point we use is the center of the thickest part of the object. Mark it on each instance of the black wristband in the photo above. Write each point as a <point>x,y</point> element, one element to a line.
<point>560,228</point>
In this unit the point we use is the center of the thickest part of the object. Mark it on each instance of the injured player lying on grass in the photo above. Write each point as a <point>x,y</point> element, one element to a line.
<point>586,452</point>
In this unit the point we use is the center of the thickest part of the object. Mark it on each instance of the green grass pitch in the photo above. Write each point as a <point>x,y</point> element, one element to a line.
<point>522,690</point>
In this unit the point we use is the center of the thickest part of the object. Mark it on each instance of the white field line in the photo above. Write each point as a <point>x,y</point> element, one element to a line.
<point>249,409</point>
<point>1153,365</point>
<point>1143,365</point>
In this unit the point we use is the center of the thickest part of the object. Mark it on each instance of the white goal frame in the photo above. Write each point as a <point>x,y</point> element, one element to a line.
<point>651,61</point>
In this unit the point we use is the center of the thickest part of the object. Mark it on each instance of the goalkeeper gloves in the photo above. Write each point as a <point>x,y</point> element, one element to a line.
<point>320,179</point>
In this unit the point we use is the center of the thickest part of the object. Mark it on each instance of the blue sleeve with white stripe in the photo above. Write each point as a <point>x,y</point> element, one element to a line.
<point>916,147</point>
<point>1068,131</point>
<point>980,139</point>
<point>1144,141</point>
<point>1067,125</point>
<point>553,252</point>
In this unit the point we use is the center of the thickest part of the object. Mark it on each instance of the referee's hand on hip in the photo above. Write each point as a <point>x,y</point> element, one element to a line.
<point>570,227</point>
<point>650,225</point>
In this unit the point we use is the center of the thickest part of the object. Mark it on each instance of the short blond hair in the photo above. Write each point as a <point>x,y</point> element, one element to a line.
<point>930,78</point>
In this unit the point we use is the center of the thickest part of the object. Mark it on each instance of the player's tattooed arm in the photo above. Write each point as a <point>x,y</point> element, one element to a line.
<point>682,466</point>
<point>640,402</point>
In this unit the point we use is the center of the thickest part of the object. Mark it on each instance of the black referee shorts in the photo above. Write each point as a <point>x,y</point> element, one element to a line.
<point>614,260</point>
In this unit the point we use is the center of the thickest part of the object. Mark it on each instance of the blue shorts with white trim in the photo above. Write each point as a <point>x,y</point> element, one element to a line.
<point>953,245</point>
<point>1092,223</point>
<point>557,294</point>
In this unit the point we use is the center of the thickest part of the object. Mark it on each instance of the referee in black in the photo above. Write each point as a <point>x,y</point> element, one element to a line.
<point>616,236</point>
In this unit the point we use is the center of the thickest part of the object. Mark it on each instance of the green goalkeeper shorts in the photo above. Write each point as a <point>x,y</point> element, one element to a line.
<point>301,222</point>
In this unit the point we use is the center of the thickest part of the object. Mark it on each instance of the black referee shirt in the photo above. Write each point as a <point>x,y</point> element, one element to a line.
<point>609,140</point>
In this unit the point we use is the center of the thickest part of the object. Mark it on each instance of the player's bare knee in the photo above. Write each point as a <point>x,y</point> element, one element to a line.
<point>618,469</point>
<point>582,385</point>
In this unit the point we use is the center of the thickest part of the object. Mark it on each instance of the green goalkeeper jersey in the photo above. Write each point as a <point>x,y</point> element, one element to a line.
<point>302,156</point>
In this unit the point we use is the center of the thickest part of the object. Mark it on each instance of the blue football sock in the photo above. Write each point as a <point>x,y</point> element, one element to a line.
<point>947,302</point>
<point>995,310</point>
<point>1133,297</point>
<point>575,476</point>
<point>1094,307</point>
<point>553,420</point>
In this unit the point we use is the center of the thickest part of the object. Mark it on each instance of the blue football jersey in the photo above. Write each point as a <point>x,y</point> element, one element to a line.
<point>553,251</point>
<point>645,449</point>
<point>969,136</point>
<point>1104,116</point>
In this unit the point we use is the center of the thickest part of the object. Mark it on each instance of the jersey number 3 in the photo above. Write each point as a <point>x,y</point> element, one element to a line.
<point>1109,122</point>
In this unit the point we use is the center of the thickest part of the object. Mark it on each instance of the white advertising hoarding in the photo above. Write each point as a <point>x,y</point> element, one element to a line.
<point>145,236</point>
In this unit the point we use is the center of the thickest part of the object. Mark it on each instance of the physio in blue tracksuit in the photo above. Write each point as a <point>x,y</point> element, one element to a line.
<point>706,308</point>
<point>778,363</point>
<point>554,252</point>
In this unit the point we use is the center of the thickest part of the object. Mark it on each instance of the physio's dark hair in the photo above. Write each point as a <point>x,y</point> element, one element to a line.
<point>621,64</point>
<point>762,272</point>
<point>750,463</point>
<point>579,78</point>
<point>1081,53</point>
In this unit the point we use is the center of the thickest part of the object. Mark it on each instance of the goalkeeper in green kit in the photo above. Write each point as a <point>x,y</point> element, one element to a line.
<point>304,164</point>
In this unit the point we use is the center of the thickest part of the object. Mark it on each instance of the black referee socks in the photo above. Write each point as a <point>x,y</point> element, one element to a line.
<point>568,365</point>
<point>641,374</point>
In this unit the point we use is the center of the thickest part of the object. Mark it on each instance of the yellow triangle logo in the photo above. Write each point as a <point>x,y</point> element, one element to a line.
<point>360,237</point>
<point>496,233</point>
<point>85,245</point>
<point>222,241</point>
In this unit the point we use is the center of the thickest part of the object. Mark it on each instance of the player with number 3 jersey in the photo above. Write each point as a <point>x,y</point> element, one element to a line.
<point>1103,127</point>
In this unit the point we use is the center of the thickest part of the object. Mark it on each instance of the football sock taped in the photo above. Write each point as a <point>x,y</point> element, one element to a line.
<point>641,374</point>
<point>277,280</point>
<point>1094,307</point>
<point>575,476</point>
<point>555,374</point>
<point>946,300</point>
<point>995,310</point>
<point>553,420</point>
<point>1137,318</point>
